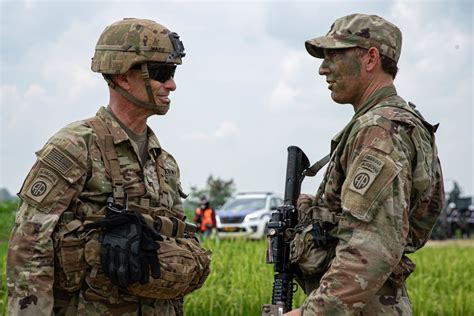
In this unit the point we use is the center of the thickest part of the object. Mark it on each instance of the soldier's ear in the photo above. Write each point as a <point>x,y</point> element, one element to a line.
<point>122,80</point>
<point>372,59</point>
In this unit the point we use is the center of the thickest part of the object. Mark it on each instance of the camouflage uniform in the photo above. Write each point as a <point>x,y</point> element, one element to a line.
<point>380,196</point>
<point>69,179</point>
<point>54,261</point>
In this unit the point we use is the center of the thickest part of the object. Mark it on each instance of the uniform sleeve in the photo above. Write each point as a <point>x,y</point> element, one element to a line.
<point>372,232</point>
<point>55,179</point>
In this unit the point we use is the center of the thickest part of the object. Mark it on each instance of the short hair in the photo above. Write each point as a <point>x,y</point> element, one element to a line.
<point>389,66</point>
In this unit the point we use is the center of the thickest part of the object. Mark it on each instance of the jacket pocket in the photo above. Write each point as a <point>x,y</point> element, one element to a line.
<point>70,262</point>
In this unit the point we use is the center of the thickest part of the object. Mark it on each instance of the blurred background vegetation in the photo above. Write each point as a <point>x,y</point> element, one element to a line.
<point>217,190</point>
<point>7,219</point>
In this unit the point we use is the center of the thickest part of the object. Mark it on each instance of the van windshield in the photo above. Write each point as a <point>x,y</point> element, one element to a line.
<point>244,204</point>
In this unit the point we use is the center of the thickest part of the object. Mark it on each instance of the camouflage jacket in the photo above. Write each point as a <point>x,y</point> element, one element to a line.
<point>69,177</point>
<point>384,181</point>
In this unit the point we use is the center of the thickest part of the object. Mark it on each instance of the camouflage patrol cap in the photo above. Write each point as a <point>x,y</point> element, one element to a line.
<point>135,41</point>
<point>359,30</point>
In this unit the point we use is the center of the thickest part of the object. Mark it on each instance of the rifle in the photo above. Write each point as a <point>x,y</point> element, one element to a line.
<point>284,219</point>
<point>278,251</point>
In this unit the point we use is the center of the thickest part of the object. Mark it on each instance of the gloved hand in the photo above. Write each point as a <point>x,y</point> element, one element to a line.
<point>128,248</point>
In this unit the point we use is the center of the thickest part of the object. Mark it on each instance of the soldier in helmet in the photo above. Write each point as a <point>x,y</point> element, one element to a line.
<point>100,228</point>
<point>383,189</point>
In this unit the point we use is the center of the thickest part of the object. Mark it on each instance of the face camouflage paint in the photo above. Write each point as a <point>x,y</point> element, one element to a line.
<point>342,68</point>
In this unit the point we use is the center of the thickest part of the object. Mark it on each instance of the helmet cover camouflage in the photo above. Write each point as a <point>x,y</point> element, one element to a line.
<point>135,41</point>
<point>359,30</point>
<point>131,42</point>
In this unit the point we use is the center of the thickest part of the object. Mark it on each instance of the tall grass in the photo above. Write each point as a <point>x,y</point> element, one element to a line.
<point>240,281</point>
<point>3,286</point>
<point>7,218</point>
<point>443,283</point>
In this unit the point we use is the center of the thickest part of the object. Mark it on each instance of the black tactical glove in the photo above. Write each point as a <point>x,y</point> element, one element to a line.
<point>128,248</point>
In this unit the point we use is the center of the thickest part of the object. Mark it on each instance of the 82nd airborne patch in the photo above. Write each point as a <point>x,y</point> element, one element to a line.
<point>41,184</point>
<point>368,169</point>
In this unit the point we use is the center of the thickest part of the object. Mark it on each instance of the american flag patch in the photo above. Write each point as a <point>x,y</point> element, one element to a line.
<point>59,161</point>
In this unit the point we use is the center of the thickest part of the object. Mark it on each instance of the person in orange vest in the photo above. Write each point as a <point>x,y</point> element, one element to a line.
<point>205,217</point>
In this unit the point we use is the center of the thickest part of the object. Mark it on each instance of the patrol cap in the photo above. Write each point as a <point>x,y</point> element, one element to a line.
<point>359,30</point>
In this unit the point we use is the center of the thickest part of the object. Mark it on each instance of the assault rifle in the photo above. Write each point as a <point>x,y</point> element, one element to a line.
<point>278,252</point>
<point>285,218</point>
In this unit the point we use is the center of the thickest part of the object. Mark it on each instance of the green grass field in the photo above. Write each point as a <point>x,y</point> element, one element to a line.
<point>241,282</point>
<point>3,290</point>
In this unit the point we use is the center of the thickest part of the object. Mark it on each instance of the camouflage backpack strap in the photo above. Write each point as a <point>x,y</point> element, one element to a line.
<point>162,192</point>
<point>105,142</point>
<point>411,108</point>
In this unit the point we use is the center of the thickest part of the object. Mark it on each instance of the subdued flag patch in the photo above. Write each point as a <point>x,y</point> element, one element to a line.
<point>58,161</point>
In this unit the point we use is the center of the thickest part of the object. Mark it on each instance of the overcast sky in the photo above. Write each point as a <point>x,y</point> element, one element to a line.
<point>247,89</point>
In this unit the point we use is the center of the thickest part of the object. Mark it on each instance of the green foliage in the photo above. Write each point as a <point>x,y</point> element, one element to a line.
<point>240,281</point>
<point>443,283</point>
<point>217,191</point>
<point>7,218</point>
<point>3,287</point>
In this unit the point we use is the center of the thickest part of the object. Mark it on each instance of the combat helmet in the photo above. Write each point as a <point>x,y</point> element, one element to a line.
<point>131,42</point>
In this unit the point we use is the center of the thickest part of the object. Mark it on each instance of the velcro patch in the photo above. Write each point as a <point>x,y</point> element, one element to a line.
<point>368,169</point>
<point>48,174</point>
<point>41,185</point>
<point>58,161</point>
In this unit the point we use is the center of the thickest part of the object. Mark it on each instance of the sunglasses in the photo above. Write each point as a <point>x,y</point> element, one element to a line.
<point>160,72</point>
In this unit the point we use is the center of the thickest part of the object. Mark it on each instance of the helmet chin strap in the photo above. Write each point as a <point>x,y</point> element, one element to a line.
<point>159,109</point>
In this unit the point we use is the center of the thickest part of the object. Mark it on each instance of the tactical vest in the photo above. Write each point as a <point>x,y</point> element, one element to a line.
<point>184,264</point>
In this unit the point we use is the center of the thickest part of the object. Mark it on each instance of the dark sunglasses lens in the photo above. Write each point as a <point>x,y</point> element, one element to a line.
<point>161,73</point>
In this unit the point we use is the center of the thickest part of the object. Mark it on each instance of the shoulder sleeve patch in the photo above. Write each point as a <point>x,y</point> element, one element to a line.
<point>50,178</point>
<point>41,185</point>
<point>62,163</point>
<point>59,161</point>
<point>367,171</point>
<point>368,178</point>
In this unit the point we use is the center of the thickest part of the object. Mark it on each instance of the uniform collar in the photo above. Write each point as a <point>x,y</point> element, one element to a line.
<point>120,135</point>
<point>374,99</point>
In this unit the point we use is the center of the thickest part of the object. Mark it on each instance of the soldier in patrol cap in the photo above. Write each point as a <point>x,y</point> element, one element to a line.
<point>383,188</point>
<point>100,227</point>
